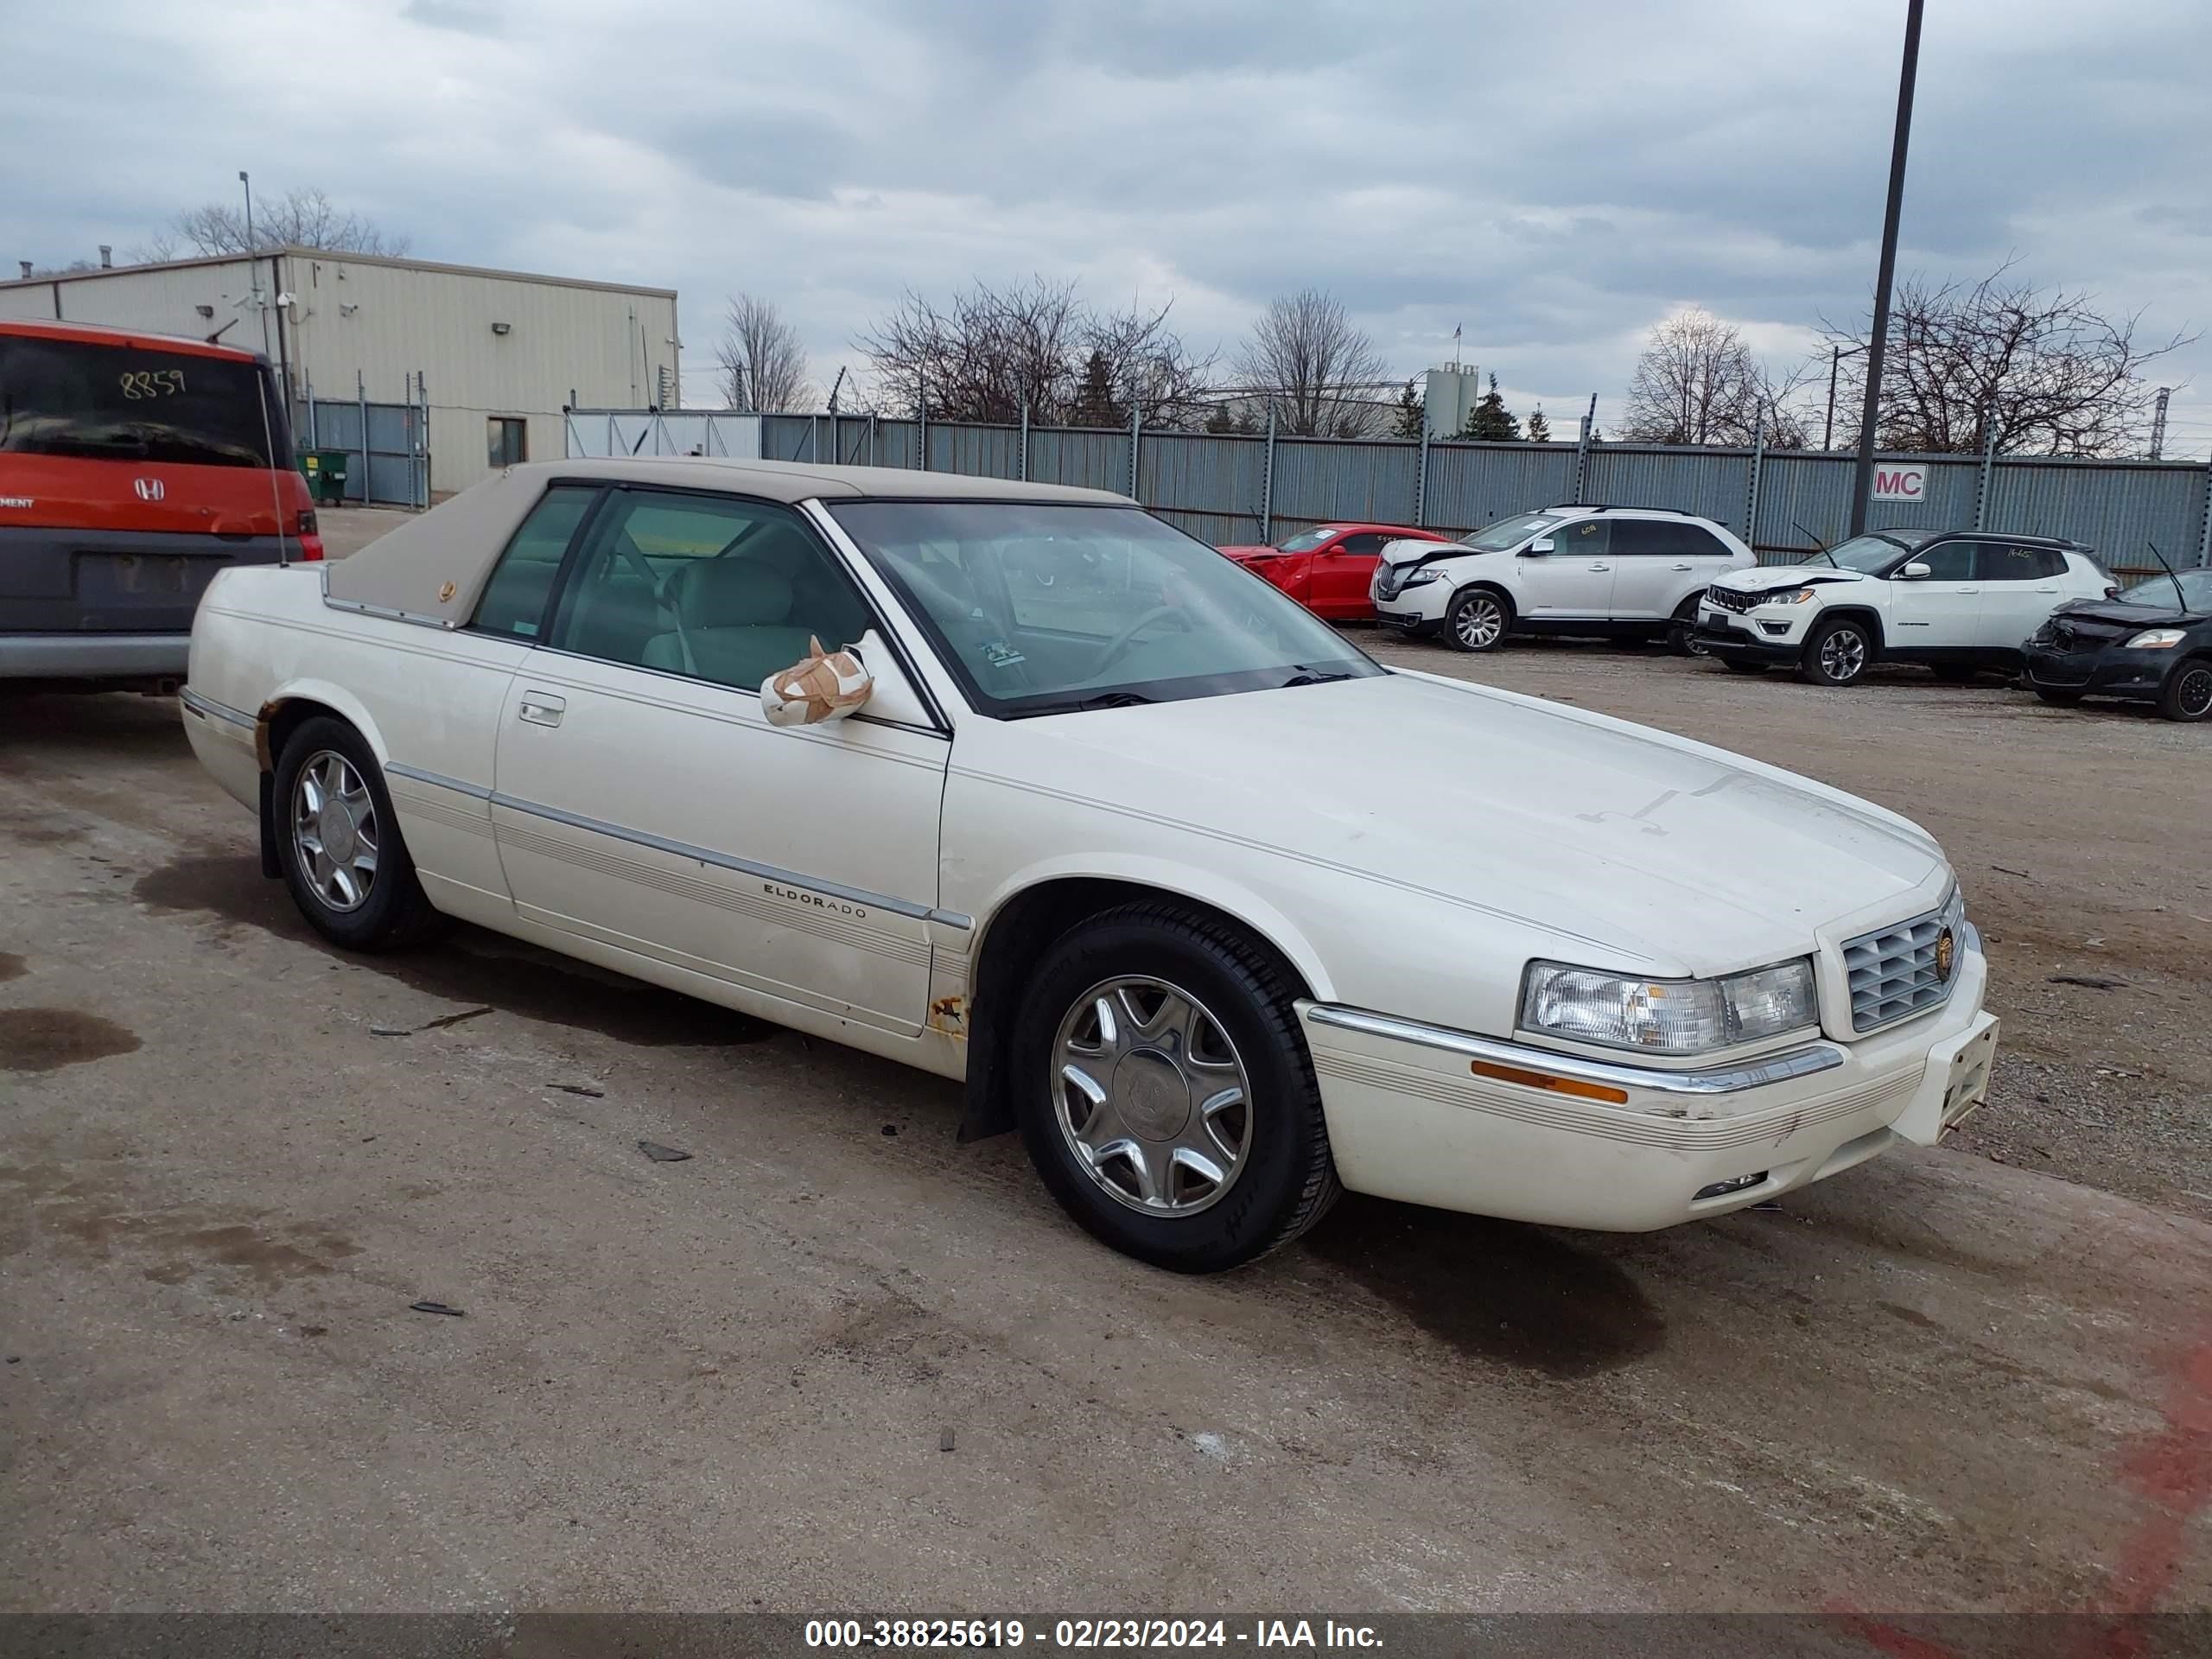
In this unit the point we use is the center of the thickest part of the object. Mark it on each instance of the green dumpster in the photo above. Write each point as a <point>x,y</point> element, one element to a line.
<point>325,470</point>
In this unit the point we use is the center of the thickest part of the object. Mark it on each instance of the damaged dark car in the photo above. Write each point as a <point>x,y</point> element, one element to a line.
<point>2151,644</point>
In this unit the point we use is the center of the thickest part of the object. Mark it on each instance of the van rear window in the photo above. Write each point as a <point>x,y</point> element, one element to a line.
<point>119,403</point>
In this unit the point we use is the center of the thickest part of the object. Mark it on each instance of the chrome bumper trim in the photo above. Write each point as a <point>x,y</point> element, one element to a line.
<point>1752,1074</point>
<point>214,710</point>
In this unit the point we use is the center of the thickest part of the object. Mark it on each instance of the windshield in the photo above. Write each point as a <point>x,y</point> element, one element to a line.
<point>1041,608</point>
<point>1509,533</point>
<point>123,402</point>
<point>1306,541</point>
<point>1868,555</point>
<point>2188,590</point>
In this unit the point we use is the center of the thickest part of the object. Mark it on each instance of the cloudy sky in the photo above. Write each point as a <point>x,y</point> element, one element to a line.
<point>1552,178</point>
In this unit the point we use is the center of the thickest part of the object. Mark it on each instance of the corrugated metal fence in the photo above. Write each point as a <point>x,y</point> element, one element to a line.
<point>1233,488</point>
<point>388,444</point>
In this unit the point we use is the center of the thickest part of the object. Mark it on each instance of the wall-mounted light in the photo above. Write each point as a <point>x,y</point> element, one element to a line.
<point>205,310</point>
<point>503,328</point>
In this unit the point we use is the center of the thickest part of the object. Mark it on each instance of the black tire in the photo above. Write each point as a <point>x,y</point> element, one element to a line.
<point>394,909</point>
<point>1464,621</point>
<point>1838,653</point>
<point>1287,1179</point>
<point>2057,696</point>
<point>1955,673</point>
<point>1742,666</point>
<point>1681,630</point>
<point>2187,694</point>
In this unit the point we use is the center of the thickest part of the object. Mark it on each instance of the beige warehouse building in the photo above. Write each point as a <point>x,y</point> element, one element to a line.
<point>499,353</point>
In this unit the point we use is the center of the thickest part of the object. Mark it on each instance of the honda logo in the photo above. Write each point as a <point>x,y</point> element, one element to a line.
<point>149,489</point>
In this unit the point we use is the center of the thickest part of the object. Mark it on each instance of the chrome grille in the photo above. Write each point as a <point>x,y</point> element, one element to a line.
<point>1731,598</point>
<point>1894,973</point>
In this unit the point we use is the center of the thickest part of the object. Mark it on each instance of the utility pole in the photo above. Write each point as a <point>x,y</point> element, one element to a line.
<point>2159,424</point>
<point>1862,477</point>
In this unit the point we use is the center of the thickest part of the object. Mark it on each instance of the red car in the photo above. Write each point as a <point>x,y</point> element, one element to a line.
<point>1327,568</point>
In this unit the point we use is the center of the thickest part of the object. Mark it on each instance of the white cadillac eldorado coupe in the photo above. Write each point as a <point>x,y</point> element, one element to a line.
<point>1217,912</point>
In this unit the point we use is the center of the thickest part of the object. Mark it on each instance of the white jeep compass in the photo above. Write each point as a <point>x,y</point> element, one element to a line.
<point>1956,600</point>
<point>1624,572</point>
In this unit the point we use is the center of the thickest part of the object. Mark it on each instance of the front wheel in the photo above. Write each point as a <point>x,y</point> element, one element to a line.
<point>2187,694</point>
<point>1477,620</point>
<point>1839,653</point>
<point>1165,1092</point>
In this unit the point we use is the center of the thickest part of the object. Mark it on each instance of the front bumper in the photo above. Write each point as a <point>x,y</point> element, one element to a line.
<point>1421,606</point>
<point>94,655</point>
<point>1410,1119</point>
<point>1770,635</point>
<point>2114,672</point>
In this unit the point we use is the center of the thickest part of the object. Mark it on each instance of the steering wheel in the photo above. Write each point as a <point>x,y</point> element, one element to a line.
<point>1112,652</point>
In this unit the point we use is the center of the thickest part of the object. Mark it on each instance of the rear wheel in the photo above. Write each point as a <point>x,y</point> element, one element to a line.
<point>1478,620</point>
<point>1165,1092</point>
<point>340,845</point>
<point>2187,694</point>
<point>1681,632</point>
<point>1839,653</point>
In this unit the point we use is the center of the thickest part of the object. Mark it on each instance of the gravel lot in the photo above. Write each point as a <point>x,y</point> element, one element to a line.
<point>1976,1377</point>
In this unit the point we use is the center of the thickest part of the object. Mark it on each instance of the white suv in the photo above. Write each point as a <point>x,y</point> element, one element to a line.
<point>1957,600</point>
<point>1627,572</point>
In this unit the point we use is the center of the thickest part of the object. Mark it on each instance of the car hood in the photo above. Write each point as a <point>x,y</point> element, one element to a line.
<point>2131,616</point>
<point>1412,548</point>
<point>1655,850</point>
<point>1766,578</point>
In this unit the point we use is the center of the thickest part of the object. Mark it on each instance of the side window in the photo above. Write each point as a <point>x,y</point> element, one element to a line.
<point>1645,537</point>
<point>1948,561</point>
<point>713,586</point>
<point>1367,543</point>
<point>513,601</point>
<point>2001,563</point>
<point>1696,541</point>
<point>1583,540</point>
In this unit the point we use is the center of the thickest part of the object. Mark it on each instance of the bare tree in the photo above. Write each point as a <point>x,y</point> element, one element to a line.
<point>762,360</point>
<point>2037,371</point>
<point>301,218</point>
<point>1698,382</point>
<point>1322,371</point>
<point>991,353</point>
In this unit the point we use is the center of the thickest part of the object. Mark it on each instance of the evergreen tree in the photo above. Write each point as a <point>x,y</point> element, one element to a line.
<point>1490,421</point>
<point>1412,414</point>
<point>1094,401</point>
<point>1540,430</point>
<point>1221,420</point>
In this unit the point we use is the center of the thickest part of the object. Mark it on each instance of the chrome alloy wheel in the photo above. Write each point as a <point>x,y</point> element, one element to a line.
<point>1478,621</point>
<point>1843,655</point>
<point>1151,1097</point>
<point>335,830</point>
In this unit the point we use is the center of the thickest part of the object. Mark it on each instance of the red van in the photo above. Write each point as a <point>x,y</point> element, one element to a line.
<point>132,468</point>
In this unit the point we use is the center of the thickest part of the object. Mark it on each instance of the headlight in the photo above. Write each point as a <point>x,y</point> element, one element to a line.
<point>2157,639</point>
<point>1788,596</point>
<point>1667,1016</point>
<point>1427,573</point>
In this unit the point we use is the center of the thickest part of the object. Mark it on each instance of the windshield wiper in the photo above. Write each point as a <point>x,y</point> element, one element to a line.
<point>1314,676</point>
<point>1104,700</point>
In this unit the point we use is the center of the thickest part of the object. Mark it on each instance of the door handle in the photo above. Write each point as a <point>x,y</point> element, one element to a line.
<point>1685,567</point>
<point>2046,590</point>
<point>1970,590</point>
<point>1601,567</point>
<point>540,709</point>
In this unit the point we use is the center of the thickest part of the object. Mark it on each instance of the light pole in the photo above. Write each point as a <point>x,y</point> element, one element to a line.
<point>1862,476</point>
<point>1836,354</point>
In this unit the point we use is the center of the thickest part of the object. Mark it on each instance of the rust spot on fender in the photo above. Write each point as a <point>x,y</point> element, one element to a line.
<point>261,734</point>
<point>950,1015</point>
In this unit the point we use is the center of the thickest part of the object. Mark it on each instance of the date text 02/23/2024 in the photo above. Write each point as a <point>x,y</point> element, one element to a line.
<point>1083,1634</point>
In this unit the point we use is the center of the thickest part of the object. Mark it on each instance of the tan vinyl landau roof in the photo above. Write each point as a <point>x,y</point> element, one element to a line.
<point>433,567</point>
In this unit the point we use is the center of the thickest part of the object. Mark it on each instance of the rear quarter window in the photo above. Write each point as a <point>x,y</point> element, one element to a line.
<point>122,403</point>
